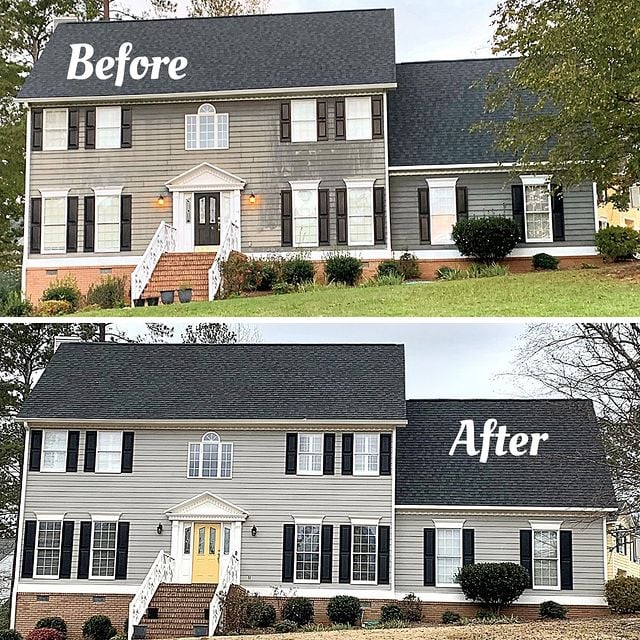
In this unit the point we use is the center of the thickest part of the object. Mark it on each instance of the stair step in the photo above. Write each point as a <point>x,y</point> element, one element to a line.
<point>175,269</point>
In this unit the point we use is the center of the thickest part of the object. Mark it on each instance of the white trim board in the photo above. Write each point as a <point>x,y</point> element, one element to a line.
<point>81,261</point>
<point>524,509</point>
<point>101,586</point>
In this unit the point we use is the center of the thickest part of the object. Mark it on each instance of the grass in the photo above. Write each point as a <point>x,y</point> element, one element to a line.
<point>578,293</point>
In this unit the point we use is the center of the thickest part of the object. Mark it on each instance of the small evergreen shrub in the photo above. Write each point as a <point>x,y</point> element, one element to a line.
<point>344,610</point>
<point>260,614</point>
<point>10,634</point>
<point>65,289</point>
<point>411,607</point>
<point>234,270</point>
<point>388,268</point>
<point>45,634</point>
<point>52,622</point>
<point>489,239</point>
<point>409,267</point>
<point>484,615</point>
<point>298,610</point>
<point>261,275</point>
<point>389,612</point>
<point>342,268</point>
<point>617,244</point>
<point>545,262</point>
<point>623,594</point>
<point>54,308</point>
<point>297,270</point>
<point>97,628</point>
<point>286,626</point>
<point>486,271</point>
<point>14,306</point>
<point>550,610</point>
<point>451,617</point>
<point>107,294</point>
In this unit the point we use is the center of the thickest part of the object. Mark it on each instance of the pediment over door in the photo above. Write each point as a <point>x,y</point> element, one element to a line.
<point>205,177</point>
<point>206,507</point>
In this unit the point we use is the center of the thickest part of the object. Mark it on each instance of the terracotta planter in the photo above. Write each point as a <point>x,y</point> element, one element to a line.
<point>167,297</point>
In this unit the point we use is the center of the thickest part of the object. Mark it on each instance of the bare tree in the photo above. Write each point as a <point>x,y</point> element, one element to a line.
<point>201,8</point>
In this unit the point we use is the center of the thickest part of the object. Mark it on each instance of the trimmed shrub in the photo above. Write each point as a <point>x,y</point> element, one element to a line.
<point>409,267</point>
<point>550,610</point>
<point>489,239</point>
<point>485,615</point>
<point>260,614</point>
<point>52,622</point>
<point>411,607</point>
<point>298,610</point>
<point>65,289</point>
<point>10,634</point>
<point>342,268</point>
<point>344,610</point>
<point>389,612</point>
<point>298,270</point>
<point>451,617</point>
<point>45,634</point>
<point>234,270</point>
<point>545,262</point>
<point>54,308</point>
<point>494,584</point>
<point>388,268</point>
<point>617,244</point>
<point>286,626</point>
<point>107,294</point>
<point>261,275</point>
<point>98,628</point>
<point>623,594</point>
<point>15,307</point>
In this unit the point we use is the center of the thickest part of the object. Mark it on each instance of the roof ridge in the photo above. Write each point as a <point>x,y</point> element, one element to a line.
<point>523,400</point>
<point>448,60</point>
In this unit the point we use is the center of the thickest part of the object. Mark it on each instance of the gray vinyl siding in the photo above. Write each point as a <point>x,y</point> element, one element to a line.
<point>489,195</point>
<point>259,487</point>
<point>497,539</point>
<point>255,155</point>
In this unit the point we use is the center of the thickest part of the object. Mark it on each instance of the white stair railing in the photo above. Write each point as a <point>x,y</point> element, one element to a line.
<point>163,241</point>
<point>230,242</point>
<point>162,570</point>
<point>231,577</point>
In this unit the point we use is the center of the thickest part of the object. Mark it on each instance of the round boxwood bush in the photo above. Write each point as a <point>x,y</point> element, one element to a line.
<point>545,262</point>
<point>388,268</point>
<point>98,628</point>
<point>409,267</point>
<point>298,610</point>
<point>623,594</point>
<point>617,244</point>
<point>286,626</point>
<point>343,269</point>
<point>344,610</point>
<point>52,622</point>
<point>298,270</point>
<point>45,634</point>
<point>451,617</point>
<point>550,610</point>
<point>489,239</point>
<point>65,289</point>
<point>260,614</point>
<point>10,634</point>
<point>390,612</point>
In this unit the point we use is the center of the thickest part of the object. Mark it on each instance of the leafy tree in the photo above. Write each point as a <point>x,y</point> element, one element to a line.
<point>227,7</point>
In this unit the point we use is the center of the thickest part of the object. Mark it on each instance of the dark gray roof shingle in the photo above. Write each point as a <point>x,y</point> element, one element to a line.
<point>221,382</point>
<point>229,54</point>
<point>570,470</point>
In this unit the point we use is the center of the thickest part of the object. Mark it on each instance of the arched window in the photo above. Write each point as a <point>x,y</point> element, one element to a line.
<point>210,458</point>
<point>207,129</point>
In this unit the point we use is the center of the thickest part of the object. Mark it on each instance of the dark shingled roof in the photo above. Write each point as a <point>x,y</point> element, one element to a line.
<point>227,54</point>
<point>570,470</point>
<point>434,108</point>
<point>221,382</point>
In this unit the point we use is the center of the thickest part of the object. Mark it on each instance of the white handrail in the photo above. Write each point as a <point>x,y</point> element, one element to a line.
<point>230,242</point>
<point>231,577</point>
<point>162,570</point>
<point>163,241</point>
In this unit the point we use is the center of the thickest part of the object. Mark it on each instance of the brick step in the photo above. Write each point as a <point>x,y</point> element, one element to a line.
<point>176,269</point>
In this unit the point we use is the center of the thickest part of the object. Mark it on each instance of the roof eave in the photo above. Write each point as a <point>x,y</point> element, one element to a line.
<point>494,508</point>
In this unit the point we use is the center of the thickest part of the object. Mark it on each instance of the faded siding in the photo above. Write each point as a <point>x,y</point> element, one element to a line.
<point>259,486</point>
<point>489,194</point>
<point>497,539</point>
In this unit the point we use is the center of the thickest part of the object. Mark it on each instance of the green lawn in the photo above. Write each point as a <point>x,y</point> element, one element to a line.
<point>584,293</point>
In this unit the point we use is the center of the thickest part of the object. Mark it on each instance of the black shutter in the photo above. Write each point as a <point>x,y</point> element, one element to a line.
<point>378,215</point>
<point>73,444</point>
<point>377,118</point>
<point>125,128</point>
<point>385,454</point>
<point>89,223</point>
<point>84,550</point>
<point>35,450</point>
<point>323,217</point>
<point>429,553</point>
<point>424,215</point>
<point>288,548</point>
<point>35,222</point>
<point>72,224</point>
<point>125,223</point>
<point>462,203</point>
<point>66,551</point>
<point>341,216</point>
<point>329,454</point>
<point>341,121</point>
<point>29,548</point>
<point>557,211</point>
<point>285,122</point>
<point>347,454</point>
<point>127,452</point>
<point>90,444</point>
<point>291,463</point>
<point>90,129</point>
<point>73,129</point>
<point>517,206</point>
<point>566,560</point>
<point>326,554</point>
<point>344,571</point>
<point>122,551</point>
<point>526,557</point>
<point>384,535</point>
<point>36,129</point>
<point>468,547</point>
<point>322,119</point>
<point>287,218</point>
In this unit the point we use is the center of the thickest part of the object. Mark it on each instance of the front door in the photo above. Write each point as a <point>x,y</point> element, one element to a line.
<point>207,220</point>
<point>206,556</point>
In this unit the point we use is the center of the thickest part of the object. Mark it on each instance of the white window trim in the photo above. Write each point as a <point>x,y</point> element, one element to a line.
<point>201,454</point>
<point>305,185</point>
<point>360,184</point>
<point>44,130</point>
<point>47,518</point>
<point>449,524</point>
<point>311,472</point>
<point>66,447</point>
<point>349,101</point>
<point>545,525</point>
<point>315,120</point>
<point>107,192</point>
<point>216,115</point>
<point>53,195</point>
<point>365,523</point>
<point>119,141</point>
<point>301,522</point>
<point>94,519</point>
<point>109,473</point>
<point>537,181</point>
<point>441,183</point>
<point>365,473</point>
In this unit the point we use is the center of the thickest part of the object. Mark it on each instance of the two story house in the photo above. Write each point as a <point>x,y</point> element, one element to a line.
<point>157,476</point>
<point>156,148</point>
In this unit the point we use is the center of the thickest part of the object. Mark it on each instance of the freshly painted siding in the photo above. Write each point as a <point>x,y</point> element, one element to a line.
<point>489,195</point>
<point>497,539</point>
<point>259,486</point>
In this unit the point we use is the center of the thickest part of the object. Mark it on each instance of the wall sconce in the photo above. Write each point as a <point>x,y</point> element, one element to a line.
<point>160,528</point>
<point>252,198</point>
<point>254,531</point>
<point>160,200</point>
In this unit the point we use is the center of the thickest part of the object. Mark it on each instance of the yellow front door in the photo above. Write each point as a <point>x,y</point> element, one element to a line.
<point>206,556</point>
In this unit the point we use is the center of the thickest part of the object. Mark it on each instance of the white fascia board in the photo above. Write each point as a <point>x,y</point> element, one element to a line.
<point>104,587</point>
<point>522,509</point>
<point>82,261</point>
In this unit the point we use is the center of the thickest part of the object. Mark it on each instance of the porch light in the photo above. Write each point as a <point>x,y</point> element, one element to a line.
<point>160,200</point>
<point>252,198</point>
<point>254,531</point>
<point>160,528</point>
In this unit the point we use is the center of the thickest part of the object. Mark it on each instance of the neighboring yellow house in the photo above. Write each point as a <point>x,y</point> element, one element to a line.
<point>609,216</point>
<point>623,547</point>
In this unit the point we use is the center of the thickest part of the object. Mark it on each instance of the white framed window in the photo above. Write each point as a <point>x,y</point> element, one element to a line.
<point>304,198</point>
<point>109,452</point>
<point>307,553</point>
<point>108,127</point>
<point>546,555</point>
<point>537,209</point>
<point>54,221</point>
<point>634,196</point>
<point>366,454</point>
<point>206,129</point>
<point>226,541</point>
<point>310,454</point>
<point>442,208</point>
<point>360,212</point>
<point>304,121</point>
<point>210,458</point>
<point>54,129</point>
<point>48,548</point>
<point>54,451</point>
<point>187,541</point>
<point>107,219</point>
<point>103,549</point>
<point>364,553</point>
<point>359,118</point>
<point>448,551</point>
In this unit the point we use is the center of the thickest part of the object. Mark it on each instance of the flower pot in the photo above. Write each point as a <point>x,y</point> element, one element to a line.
<point>139,302</point>
<point>153,302</point>
<point>184,295</point>
<point>167,297</point>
